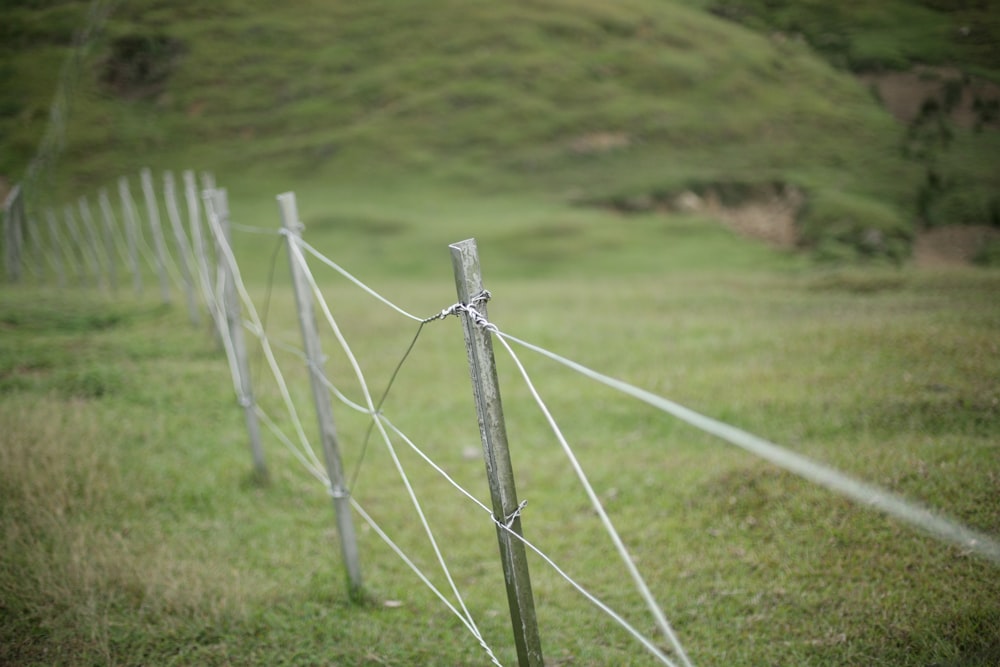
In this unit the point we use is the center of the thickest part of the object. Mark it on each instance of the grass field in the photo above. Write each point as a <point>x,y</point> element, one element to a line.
<point>133,532</point>
<point>557,133</point>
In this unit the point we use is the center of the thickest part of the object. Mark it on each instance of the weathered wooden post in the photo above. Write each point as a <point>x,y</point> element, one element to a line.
<point>31,234</point>
<point>183,247</point>
<point>108,217</point>
<point>56,252</point>
<point>198,241</point>
<point>79,246</point>
<point>131,233</point>
<point>218,214</point>
<point>13,226</point>
<point>324,411</point>
<point>489,408</point>
<point>159,245</point>
<point>94,244</point>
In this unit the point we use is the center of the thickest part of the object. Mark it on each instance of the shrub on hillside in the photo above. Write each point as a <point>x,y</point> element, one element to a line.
<point>843,226</point>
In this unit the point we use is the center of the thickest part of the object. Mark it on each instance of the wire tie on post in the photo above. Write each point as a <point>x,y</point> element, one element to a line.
<point>337,493</point>
<point>457,308</point>
<point>508,520</point>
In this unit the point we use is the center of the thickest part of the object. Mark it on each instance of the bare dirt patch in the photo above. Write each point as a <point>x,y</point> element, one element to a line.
<point>973,102</point>
<point>760,211</point>
<point>769,217</point>
<point>953,245</point>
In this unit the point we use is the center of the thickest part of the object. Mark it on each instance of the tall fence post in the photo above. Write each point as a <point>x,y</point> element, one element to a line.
<point>218,212</point>
<point>489,408</point>
<point>13,228</point>
<point>56,251</point>
<point>198,241</point>
<point>131,233</point>
<point>108,218</point>
<point>324,410</point>
<point>159,245</point>
<point>183,247</point>
<point>80,247</point>
<point>31,234</point>
<point>92,236</point>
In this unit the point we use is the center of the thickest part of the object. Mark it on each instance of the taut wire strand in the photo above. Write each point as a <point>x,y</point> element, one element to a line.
<point>293,242</point>
<point>467,622</point>
<point>562,573</point>
<point>315,468</point>
<point>935,525</point>
<point>336,267</point>
<point>637,578</point>
<point>226,255</point>
<point>381,402</point>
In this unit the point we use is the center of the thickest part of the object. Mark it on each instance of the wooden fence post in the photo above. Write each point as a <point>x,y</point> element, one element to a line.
<point>34,248</point>
<point>79,246</point>
<point>110,249</point>
<point>324,410</point>
<point>13,226</point>
<point>56,252</point>
<point>218,213</point>
<point>94,243</point>
<point>489,408</point>
<point>198,241</point>
<point>159,245</point>
<point>183,247</point>
<point>131,233</point>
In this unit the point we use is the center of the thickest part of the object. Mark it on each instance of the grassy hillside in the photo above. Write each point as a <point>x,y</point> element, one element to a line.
<point>559,134</point>
<point>574,100</point>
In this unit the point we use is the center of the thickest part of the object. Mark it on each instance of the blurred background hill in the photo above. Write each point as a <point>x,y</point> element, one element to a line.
<point>844,129</point>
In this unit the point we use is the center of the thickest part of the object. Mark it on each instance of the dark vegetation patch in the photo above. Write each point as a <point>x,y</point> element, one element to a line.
<point>63,318</point>
<point>139,65</point>
<point>883,36</point>
<point>37,23</point>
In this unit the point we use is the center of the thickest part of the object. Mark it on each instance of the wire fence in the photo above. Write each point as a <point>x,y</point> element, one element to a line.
<point>201,263</point>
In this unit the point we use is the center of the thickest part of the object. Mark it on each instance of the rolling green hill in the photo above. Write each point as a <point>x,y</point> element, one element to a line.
<point>578,100</point>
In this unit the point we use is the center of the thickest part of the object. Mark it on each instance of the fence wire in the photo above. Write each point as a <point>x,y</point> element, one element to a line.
<point>194,251</point>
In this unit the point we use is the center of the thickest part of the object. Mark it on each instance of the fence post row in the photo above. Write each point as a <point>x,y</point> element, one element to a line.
<point>112,248</point>
<point>198,242</point>
<point>13,230</point>
<point>81,258</point>
<point>57,247</point>
<point>324,410</point>
<point>131,233</point>
<point>489,409</point>
<point>93,244</point>
<point>159,245</point>
<point>183,247</point>
<point>218,208</point>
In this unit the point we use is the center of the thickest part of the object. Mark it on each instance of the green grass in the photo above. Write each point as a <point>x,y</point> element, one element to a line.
<point>133,531</point>
<point>891,35</point>
<point>366,94</point>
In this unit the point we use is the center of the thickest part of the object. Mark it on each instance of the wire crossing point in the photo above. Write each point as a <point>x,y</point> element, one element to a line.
<point>219,215</point>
